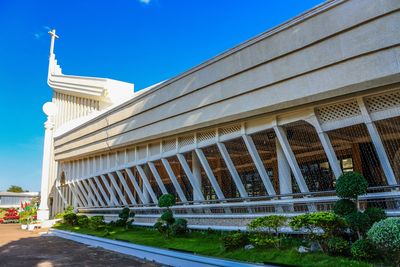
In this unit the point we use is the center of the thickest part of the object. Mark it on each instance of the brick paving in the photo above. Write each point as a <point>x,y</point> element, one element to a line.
<point>24,248</point>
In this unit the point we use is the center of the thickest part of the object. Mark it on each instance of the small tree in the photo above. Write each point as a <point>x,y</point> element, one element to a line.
<point>166,224</point>
<point>15,189</point>
<point>126,218</point>
<point>267,230</point>
<point>351,185</point>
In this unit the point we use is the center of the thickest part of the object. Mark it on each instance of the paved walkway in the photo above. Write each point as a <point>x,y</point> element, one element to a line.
<point>23,248</point>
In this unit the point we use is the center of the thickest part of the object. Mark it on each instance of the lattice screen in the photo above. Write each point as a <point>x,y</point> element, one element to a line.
<point>186,140</point>
<point>338,111</point>
<point>168,145</point>
<point>384,101</point>
<point>206,137</point>
<point>230,130</point>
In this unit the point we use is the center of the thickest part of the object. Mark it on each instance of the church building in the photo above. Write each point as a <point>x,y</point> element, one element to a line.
<point>264,128</point>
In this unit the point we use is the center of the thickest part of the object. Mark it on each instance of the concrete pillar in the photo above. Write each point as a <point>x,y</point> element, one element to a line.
<point>196,173</point>
<point>50,109</point>
<point>285,177</point>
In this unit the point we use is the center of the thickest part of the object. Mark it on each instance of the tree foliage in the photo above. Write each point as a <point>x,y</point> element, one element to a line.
<point>350,185</point>
<point>15,189</point>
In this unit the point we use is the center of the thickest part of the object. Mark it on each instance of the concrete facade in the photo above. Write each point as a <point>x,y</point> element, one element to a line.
<point>252,131</point>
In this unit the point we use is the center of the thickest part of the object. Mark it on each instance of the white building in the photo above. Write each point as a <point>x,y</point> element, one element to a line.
<point>265,127</point>
<point>14,200</point>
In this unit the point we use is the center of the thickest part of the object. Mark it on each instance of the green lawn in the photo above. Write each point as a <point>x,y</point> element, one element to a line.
<point>204,243</point>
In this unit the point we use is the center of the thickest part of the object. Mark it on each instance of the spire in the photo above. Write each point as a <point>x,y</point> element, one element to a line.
<point>53,37</point>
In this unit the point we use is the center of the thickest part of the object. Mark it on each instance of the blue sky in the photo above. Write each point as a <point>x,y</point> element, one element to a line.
<point>137,41</point>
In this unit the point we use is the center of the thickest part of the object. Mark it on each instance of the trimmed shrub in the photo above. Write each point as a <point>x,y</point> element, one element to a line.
<point>166,201</point>
<point>358,222</point>
<point>386,236</point>
<point>82,220</point>
<point>344,207</point>
<point>268,224</point>
<point>363,249</point>
<point>161,227</point>
<point>96,222</point>
<point>125,218</point>
<point>375,214</point>
<point>234,240</point>
<point>179,227</point>
<point>351,185</point>
<point>70,219</point>
<point>338,246</point>
<point>168,217</point>
<point>312,223</point>
<point>264,240</point>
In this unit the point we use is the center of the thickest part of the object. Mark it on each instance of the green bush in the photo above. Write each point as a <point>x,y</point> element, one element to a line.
<point>338,246</point>
<point>351,185</point>
<point>179,227</point>
<point>358,222</point>
<point>126,218</point>
<point>270,223</point>
<point>234,240</point>
<point>68,209</point>
<point>375,214</point>
<point>168,217</point>
<point>161,227</point>
<point>363,249</point>
<point>264,240</point>
<point>344,207</point>
<point>166,200</point>
<point>70,219</point>
<point>83,220</point>
<point>312,223</point>
<point>386,236</point>
<point>96,222</point>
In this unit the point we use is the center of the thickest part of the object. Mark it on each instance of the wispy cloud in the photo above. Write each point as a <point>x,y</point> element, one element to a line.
<point>146,2</point>
<point>39,34</point>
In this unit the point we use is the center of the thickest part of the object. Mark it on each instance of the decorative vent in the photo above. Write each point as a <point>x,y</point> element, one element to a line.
<point>338,111</point>
<point>154,149</point>
<point>186,140</point>
<point>142,152</point>
<point>230,130</point>
<point>169,145</point>
<point>206,136</point>
<point>384,101</point>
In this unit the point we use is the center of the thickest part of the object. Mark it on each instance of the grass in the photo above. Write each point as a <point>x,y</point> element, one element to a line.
<point>209,244</point>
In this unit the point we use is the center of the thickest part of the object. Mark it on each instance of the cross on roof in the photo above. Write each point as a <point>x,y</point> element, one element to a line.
<point>53,37</point>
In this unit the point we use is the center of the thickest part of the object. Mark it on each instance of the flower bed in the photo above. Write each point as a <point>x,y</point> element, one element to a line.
<point>11,216</point>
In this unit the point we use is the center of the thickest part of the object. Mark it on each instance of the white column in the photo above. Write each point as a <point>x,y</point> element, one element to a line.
<point>189,174</point>
<point>285,176</point>
<point>251,147</point>
<point>287,150</point>
<point>147,184</point>
<point>232,170</point>
<point>173,179</point>
<point>326,144</point>
<point>156,175</point>
<point>376,140</point>
<point>199,158</point>
<point>196,174</point>
<point>136,185</point>
<point>50,109</point>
